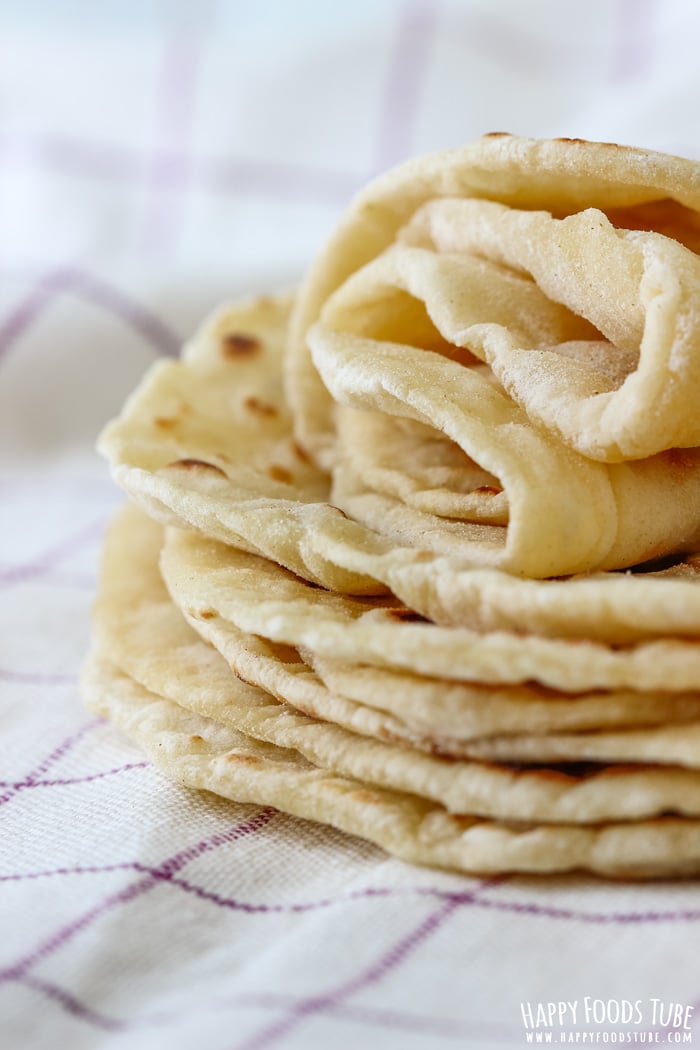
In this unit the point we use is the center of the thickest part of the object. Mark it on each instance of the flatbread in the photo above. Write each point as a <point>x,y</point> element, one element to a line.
<point>206,444</point>
<point>635,189</point>
<point>207,578</point>
<point>446,716</point>
<point>669,744</point>
<point>419,466</point>
<point>489,378</point>
<point>205,755</point>
<point>566,513</point>
<point>140,630</point>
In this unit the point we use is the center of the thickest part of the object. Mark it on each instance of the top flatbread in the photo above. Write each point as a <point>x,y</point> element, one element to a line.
<point>638,288</point>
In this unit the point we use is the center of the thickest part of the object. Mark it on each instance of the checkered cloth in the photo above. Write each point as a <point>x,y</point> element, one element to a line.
<point>154,159</point>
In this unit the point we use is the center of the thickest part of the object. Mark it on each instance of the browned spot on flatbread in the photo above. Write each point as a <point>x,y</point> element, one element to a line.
<point>278,473</point>
<point>497,134</point>
<point>197,739</point>
<point>235,345</point>
<point>244,760</point>
<point>261,408</point>
<point>488,490</point>
<point>300,452</point>
<point>166,422</point>
<point>203,614</point>
<point>197,464</point>
<point>587,142</point>
<point>405,615</point>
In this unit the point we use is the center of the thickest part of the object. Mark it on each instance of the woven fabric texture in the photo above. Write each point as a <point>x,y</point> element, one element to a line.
<point>155,159</point>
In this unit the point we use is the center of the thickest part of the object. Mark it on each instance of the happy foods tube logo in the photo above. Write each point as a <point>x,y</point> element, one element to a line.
<point>644,1022</point>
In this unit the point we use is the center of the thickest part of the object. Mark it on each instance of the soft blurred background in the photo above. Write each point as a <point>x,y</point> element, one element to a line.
<point>157,156</point>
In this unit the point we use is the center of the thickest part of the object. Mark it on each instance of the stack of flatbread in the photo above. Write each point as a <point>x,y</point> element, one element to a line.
<point>416,552</point>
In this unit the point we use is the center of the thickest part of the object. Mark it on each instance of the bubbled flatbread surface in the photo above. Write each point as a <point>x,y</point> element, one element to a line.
<point>206,442</point>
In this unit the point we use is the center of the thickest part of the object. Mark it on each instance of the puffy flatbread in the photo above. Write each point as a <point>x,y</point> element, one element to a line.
<point>206,444</point>
<point>651,280</point>
<point>566,512</point>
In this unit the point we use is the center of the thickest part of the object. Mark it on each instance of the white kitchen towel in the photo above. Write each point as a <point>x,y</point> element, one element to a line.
<point>156,158</point>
